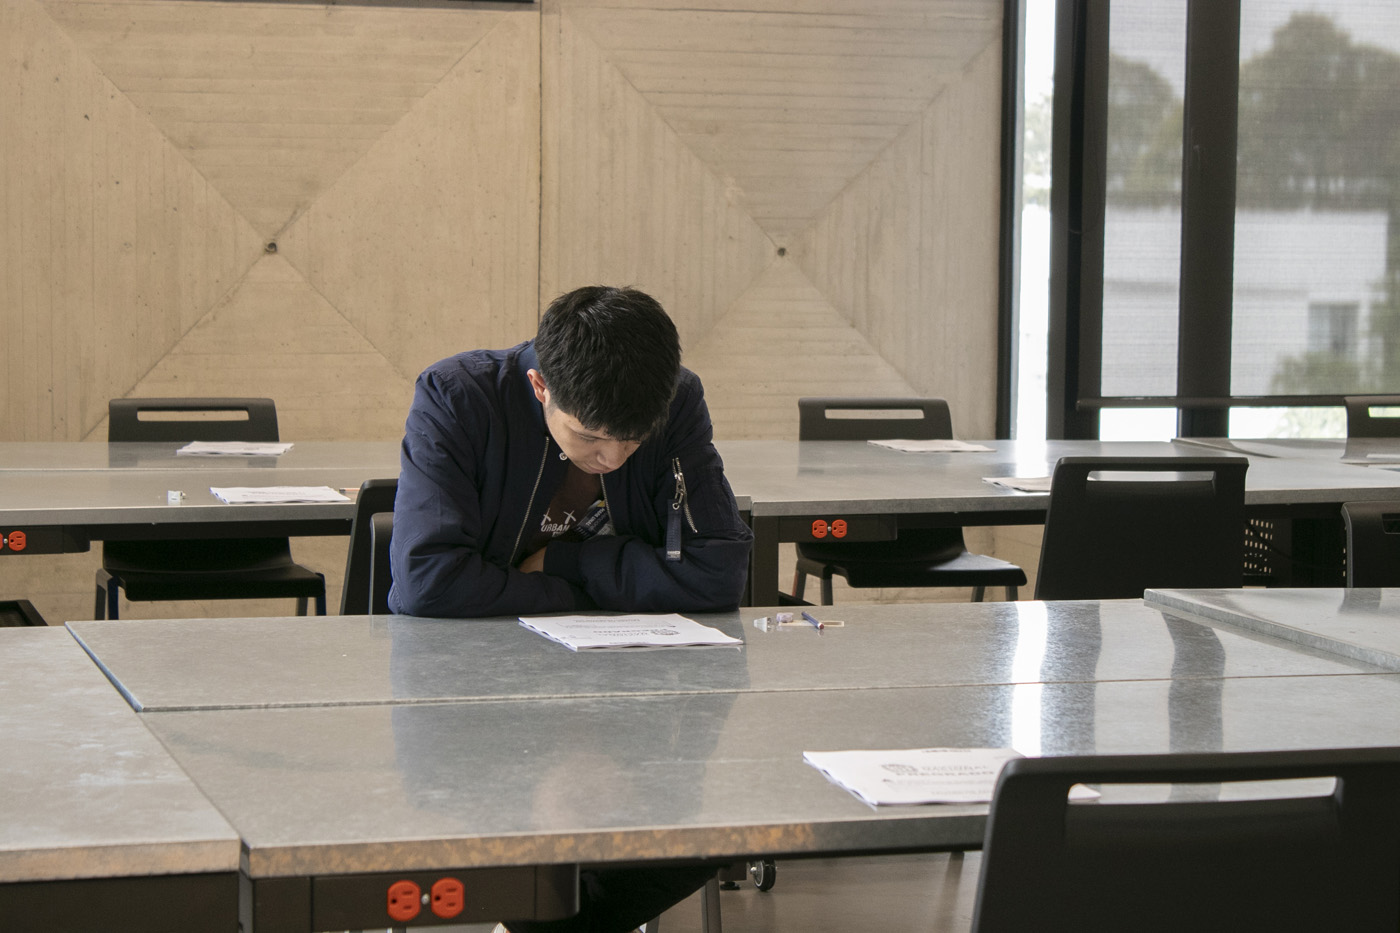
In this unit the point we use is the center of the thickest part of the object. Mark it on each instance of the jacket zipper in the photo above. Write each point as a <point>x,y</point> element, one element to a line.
<point>529,506</point>
<point>603,488</point>
<point>682,496</point>
<point>679,505</point>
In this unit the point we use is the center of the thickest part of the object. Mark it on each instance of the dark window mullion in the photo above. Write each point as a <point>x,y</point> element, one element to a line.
<point>1078,166</point>
<point>1209,146</point>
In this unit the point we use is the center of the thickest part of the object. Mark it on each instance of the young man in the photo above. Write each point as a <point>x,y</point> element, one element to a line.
<point>572,472</point>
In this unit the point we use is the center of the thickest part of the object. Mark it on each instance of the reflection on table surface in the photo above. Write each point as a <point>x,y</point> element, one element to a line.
<point>376,788</point>
<point>167,664</point>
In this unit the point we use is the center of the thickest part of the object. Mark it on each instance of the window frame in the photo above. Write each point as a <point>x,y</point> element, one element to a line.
<point>1078,205</point>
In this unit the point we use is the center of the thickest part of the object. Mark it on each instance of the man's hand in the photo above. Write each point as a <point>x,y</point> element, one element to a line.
<point>534,563</point>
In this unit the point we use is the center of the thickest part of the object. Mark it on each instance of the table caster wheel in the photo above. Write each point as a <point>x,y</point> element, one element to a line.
<point>764,874</point>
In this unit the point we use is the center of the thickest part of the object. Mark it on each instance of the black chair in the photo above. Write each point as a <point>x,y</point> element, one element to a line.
<point>1328,862</point>
<point>917,556</point>
<point>367,578</point>
<point>202,568</point>
<point>1373,542</point>
<point>17,612</point>
<point>1108,537</point>
<point>1361,422</point>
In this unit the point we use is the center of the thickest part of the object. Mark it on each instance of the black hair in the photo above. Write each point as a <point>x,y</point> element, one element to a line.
<point>611,358</point>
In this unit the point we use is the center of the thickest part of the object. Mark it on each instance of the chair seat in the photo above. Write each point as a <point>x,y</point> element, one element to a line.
<point>293,581</point>
<point>198,555</point>
<point>915,545</point>
<point>963,569</point>
<point>252,568</point>
<point>16,612</point>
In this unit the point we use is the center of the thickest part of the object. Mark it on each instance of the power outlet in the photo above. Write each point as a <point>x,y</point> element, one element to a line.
<point>405,900</point>
<point>449,897</point>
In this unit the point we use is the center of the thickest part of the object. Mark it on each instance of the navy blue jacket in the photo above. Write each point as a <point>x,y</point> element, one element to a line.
<point>479,469</point>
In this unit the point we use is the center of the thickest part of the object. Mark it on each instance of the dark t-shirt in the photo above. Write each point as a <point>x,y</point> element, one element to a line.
<point>575,498</point>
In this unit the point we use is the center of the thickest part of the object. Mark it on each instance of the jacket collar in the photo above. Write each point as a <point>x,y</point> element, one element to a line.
<point>527,360</point>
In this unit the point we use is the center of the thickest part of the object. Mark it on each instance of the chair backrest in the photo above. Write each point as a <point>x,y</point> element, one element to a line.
<point>1373,542</point>
<point>1362,422</point>
<point>376,497</point>
<point>233,419</point>
<point>1328,862</point>
<point>1107,537</point>
<point>381,534</point>
<point>873,419</point>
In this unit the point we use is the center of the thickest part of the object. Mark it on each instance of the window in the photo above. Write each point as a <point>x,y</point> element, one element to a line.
<point>1229,175</point>
<point>1332,331</point>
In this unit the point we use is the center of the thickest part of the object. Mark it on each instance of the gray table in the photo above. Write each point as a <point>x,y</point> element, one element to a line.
<point>1363,624</point>
<point>1381,452</point>
<point>99,827</point>
<point>381,458</point>
<point>422,750</point>
<point>63,496</point>
<point>876,491</point>
<point>165,665</point>
<point>379,789</point>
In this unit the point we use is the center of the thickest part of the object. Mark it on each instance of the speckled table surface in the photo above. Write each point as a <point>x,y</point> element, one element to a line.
<point>88,791</point>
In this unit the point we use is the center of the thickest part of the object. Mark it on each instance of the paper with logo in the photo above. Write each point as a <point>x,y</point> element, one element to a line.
<point>634,631</point>
<point>235,495</point>
<point>919,775</point>
<point>232,449</point>
<point>1020,483</point>
<point>937,446</point>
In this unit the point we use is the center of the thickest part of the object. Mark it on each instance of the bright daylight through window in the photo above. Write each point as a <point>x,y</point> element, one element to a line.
<point>1316,296</point>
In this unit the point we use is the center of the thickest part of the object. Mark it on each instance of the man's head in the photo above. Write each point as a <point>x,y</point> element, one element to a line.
<point>609,360</point>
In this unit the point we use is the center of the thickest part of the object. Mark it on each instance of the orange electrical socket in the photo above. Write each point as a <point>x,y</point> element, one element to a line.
<point>838,528</point>
<point>405,900</point>
<point>449,897</point>
<point>17,540</point>
<point>819,529</point>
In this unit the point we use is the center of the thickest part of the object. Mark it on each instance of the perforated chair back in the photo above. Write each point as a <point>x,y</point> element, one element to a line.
<point>1194,862</point>
<point>1363,422</point>
<point>1373,542</point>
<point>1111,537</point>
<point>223,419</point>
<point>376,497</point>
<point>873,419</point>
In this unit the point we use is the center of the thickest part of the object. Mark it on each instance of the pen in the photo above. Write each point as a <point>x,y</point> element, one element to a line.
<point>810,618</point>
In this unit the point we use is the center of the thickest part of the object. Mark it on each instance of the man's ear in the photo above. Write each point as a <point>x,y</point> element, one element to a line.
<point>537,383</point>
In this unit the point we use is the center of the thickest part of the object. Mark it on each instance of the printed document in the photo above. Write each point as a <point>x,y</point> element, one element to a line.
<point>231,449</point>
<point>235,495</point>
<point>919,775</point>
<point>635,631</point>
<point>1020,483</point>
<point>930,446</point>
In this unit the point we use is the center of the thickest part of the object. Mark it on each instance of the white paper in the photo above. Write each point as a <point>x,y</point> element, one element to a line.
<point>235,495</point>
<point>1021,483</point>
<point>635,631</point>
<point>903,776</point>
<point>931,446</point>
<point>232,449</point>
